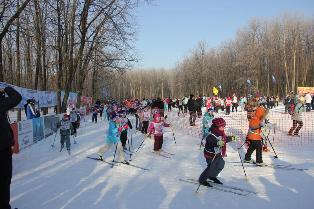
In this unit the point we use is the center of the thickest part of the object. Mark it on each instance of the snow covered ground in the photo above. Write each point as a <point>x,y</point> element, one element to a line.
<point>44,178</point>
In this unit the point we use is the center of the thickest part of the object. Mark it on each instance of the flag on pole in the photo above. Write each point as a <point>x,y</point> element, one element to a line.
<point>273,78</point>
<point>215,91</point>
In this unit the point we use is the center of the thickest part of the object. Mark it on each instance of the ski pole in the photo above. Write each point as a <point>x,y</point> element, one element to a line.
<point>203,139</point>
<point>115,151</point>
<point>174,138</point>
<point>242,164</point>
<point>140,144</point>
<point>130,150</point>
<point>272,147</point>
<point>53,144</point>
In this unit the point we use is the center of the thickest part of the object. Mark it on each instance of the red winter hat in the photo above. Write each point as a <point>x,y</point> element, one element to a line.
<point>157,115</point>
<point>217,122</point>
<point>66,116</point>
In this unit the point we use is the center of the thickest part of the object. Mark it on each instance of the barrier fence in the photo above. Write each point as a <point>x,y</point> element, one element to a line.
<point>237,124</point>
<point>29,132</point>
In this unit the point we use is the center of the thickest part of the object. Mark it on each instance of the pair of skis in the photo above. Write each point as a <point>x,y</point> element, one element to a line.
<point>116,163</point>
<point>221,187</point>
<point>277,166</point>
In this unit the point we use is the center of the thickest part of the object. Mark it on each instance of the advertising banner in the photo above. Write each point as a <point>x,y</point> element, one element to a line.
<point>38,129</point>
<point>45,98</point>
<point>25,134</point>
<point>305,90</point>
<point>50,125</point>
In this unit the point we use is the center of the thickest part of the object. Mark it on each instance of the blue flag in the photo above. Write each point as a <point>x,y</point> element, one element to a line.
<point>273,78</point>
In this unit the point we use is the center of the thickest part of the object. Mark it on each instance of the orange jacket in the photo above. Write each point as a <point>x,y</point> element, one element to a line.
<point>255,124</point>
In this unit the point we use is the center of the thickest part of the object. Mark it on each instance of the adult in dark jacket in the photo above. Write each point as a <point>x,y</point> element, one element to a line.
<point>192,109</point>
<point>158,104</point>
<point>199,104</point>
<point>6,141</point>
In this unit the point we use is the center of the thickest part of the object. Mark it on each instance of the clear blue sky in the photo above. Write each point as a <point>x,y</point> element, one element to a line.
<point>169,29</point>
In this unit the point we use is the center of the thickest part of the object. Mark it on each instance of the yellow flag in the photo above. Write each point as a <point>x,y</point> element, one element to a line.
<point>215,91</point>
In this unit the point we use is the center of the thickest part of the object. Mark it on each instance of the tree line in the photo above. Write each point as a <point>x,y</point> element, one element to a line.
<point>70,45</point>
<point>275,55</point>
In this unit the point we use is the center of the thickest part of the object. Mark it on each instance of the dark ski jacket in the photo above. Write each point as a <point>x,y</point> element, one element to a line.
<point>158,103</point>
<point>6,103</point>
<point>192,105</point>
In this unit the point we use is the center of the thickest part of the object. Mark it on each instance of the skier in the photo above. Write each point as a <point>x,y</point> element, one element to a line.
<point>254,137</point>
<point>156,128</point>
<point>146,114</point>
<point>124,125</point>
<point>113,138</point>
<point>74,120</point>
<point>215,142</point>
<point>95,113</point>
<point>297,117</point>
<point>65,131</point>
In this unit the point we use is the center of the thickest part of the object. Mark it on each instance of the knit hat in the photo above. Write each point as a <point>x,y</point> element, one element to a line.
<point>218,122</point>
<point>66,116</point>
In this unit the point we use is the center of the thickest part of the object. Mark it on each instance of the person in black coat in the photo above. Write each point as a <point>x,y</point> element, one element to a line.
<point>158,104</point>
<point>6,142</point>
<point>192,109</point>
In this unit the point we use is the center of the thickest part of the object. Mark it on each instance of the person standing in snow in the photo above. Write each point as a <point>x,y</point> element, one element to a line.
<point>185,104</point>
<point>30,109</point>
<point>192,110</point>
<point>297,117</point>
<point>215,142</point>
<point>95,113</point>
<point>65,132</point>
<point>180,106</point>
<point>6,142</point>
<point>228,105</point>
<point>308,100</point>
<point>156,128</point>
<point>254,137</point>
<point>234,103</point>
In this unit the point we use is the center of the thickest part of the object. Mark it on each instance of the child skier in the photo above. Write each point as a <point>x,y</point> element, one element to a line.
<point>145,119</point>
<point>124,125</point>
<point>113,139</point>
<point>65,132</point>
<point>215,142</point>
<point>254,137</point>
<point>95,113</point>
<point>156,128</point>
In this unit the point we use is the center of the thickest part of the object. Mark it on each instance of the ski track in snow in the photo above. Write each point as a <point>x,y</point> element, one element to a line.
<point>44,178</point>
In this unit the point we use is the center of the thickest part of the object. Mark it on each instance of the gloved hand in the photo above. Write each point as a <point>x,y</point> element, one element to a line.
<point>220,143</point>
<point>148,135</point>
<point>120,129</point>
